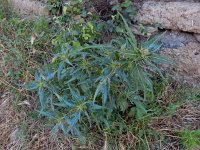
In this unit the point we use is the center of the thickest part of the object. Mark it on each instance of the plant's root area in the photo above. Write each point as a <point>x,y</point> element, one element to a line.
<point>20,133</point>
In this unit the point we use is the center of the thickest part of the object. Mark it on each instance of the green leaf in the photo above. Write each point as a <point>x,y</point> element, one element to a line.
<point>159,59</point>
<point>152,44</point>
<point>122,103</point>
<point>59,70</point>
<point>55,129</point>
<point>47,114</point>
<point>133,40</point>
<point>41,94</point>
<point>104,94</point>
<point>31,86</point>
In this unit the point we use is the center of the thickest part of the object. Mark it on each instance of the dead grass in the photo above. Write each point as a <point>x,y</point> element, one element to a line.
<point>9,121</point>
<point>187,116</point>
<point>19,132</point>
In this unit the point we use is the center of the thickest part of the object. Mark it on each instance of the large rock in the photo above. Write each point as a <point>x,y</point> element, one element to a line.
<point>184,16</point>
<point>30,7</point>
<point>184,51</point>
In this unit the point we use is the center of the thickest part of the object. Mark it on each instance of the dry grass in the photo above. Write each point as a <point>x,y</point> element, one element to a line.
<point>19,132</point>
<point>187,116</point>
<point>9,121</point>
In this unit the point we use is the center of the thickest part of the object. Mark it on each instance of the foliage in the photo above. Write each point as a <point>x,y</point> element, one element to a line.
<point>190,139</point>
<point>4,9</point>
<point>126,8</point>
<point>94,80</point>
<point>86,84</point>
<point>55,6</point>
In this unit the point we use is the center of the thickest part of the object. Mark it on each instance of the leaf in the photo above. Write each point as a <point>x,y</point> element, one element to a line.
<point>97,46</point>
<point>76,45</point>
<point>63,102</point>
<point>31,86</point>
<point>133,40</point>
<point>50,76</point>
<point>55,129</point>
<point>59,70</point>
<point>97,107</point>
<point>111,105</point>
<point>139,113</point>
<point>47,114</point>
<point>154,67</point>
<point>105,121</point>
<point>75,94</point>
<point>93,106</point>
<point>155,47</point>
<point>137,101</point>
<point>122,104</point>
<point>88,117</point>
<point>98,90</point>
<point>152,43</point>
<point>41,97</point>
<point>104,94</point>
<point>38,76</point>
<point>63,128</point>
<point>158,59</point>
<point>80,136</point>
<point>72,122</point>
<point>68,62</point>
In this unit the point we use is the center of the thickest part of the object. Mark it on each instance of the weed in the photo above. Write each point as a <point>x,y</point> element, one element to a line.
<point>94,81</point>
<point>190,139</point>
<point>87,85</point>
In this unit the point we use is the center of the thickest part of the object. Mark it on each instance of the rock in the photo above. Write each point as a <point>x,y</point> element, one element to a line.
<point>172,40</point>
<point>28,7</point>
<point>197,36</point>
<point>184,16</point>
<point>144,31</point>
<point>185,56</point>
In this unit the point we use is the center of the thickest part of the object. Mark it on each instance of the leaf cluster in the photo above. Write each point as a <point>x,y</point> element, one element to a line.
<point>85,84</point>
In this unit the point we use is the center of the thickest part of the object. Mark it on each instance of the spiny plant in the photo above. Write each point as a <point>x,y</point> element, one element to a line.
<point>86,85</point>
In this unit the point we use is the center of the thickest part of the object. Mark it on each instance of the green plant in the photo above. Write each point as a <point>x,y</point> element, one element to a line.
<point>94,79</point>
<point>55,6</point>
<point>190,139</point>
<point>5,10</point>
<point>126,7</point>
<point>85,85</point>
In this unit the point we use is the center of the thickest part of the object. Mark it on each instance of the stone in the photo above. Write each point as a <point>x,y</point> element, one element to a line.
<point>30,7</point>
<point>172,40</point>
<point>184,16</point>
<point>185,57</point>
<point>144,30</point>
<point>197,36</point>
